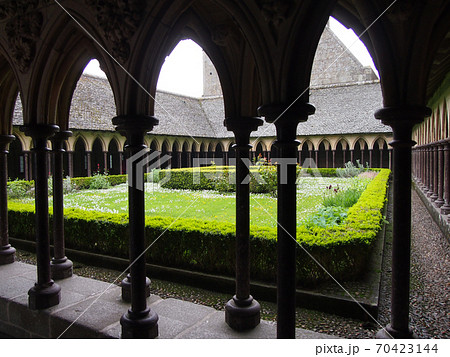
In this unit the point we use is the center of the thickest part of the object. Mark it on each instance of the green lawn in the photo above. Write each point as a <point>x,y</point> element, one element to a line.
<point>208,205</point>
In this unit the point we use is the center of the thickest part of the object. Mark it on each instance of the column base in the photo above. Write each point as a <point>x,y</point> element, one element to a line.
<point>7,254</point>
<point>445,209</point>
<point>44,296</point>
<point>439,202</point>
<point>61,268</point>
<point>139,325</point>
<point>389,333</point>
<point>242,315</point>
<point>126,288</point>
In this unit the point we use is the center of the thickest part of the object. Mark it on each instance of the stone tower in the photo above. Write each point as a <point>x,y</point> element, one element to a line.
<point>333,65</point>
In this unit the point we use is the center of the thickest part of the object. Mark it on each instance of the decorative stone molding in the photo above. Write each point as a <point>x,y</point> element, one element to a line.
<point>119,21</point>
<point>23,28</point>
<point>275,11</point>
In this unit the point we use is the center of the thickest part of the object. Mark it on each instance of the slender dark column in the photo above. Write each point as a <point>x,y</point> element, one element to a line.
<point>89,163</point>
<point>300,157</point>
<point>435,173</point>
<point>334,159</point>
<point>381,157</point>
<point>430,171</point>
<point>26,165</point>
<point>242,312</point>
<point>105,161</point>
<point>316,157</point>
<point>139,321</point>
<point>440,151</point>
<point>286,143</point>
<point>46,292</point>
<point>7,253</point>
<point>121,162</point>
<point>189,158</point>
<point>343,155</point>
<point>351,155</point>
<point>326,159</point>
<point>60,266</point>
<point>445,209</point>
<point>390,159</point>
<point>402,120</point>
<point>70,162</point>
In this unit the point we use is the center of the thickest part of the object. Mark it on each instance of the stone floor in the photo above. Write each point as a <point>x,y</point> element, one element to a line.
<point>91,308</point>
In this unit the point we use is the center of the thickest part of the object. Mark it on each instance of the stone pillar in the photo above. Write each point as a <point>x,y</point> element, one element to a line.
<point>334,158</point>
<point>26,165</point>
<point>440,154</point>
<point>121,163</point>
<point>60,266</point>
<point>381,157</point>
<point>390,159</point>
<point>370,158</point>
<point>286,127</point>
<point>89,164</point>
<point>344,151</point>
<point>105,161</point>
<point>242,312</point>
<point>402,120</point>
<point>435,173</point>
<point>70,162</point>
<point>430,171</point>
<point>316,157</point>
<point>139,321</point>
<point>351,155</point>
<point>46,292</point>
<point>326,159</point>
<point>445,209</point>
<point>189,159</point>
<point>225,158</point>
<point>7,253</point>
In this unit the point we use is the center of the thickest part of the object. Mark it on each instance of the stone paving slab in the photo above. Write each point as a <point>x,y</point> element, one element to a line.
<point>97,308</point>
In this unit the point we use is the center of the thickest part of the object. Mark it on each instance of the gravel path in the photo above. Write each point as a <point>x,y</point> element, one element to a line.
<point>430,287</point>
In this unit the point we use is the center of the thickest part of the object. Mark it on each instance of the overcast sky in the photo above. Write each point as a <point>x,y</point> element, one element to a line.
<point>182,71</point>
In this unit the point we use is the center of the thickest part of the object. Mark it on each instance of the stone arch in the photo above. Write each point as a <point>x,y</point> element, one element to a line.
<point>114,158</point>
<point>360,151</point>
<point>380,153</point>
<point>80,159</point>
<point>342,152</point>
<point>324,157</point>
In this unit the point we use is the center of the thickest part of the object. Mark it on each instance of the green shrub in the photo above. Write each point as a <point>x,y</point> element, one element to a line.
<point>336,197</point>
<point>326,217</point>
<point>350,170</point>
<point>209,246</point>
<point>99,181</point>
<point>20,189</point>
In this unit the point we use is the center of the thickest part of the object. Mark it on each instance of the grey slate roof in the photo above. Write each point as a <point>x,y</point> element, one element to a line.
<point>339,110</point>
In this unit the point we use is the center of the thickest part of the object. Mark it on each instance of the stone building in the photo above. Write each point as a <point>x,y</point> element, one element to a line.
<point>342,88</point>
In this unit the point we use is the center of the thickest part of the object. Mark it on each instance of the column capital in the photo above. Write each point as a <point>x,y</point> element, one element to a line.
<point>242,127</point>
<point>286,118</point>
<point>134,127</point>
<point>403,114</point>
<point>40,133</point>
<point>59,138</point>
<point>4,141</point>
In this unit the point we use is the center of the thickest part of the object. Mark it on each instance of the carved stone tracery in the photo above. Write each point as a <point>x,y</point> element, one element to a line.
<point>275,11</point>
<point>119,20</point>
<point>23,25</point>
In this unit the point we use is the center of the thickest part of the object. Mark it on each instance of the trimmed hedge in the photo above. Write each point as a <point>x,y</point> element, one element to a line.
<point>209,246</point>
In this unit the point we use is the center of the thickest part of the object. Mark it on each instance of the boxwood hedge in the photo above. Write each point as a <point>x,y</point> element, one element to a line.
<point>208,246</point>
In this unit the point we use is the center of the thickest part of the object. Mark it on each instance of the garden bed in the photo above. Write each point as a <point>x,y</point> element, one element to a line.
<point>208,246</point>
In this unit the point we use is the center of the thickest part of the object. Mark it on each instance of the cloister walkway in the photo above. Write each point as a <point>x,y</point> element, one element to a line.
<point>97,307</point>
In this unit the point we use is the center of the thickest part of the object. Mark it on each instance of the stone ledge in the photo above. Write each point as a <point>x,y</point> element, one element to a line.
<point>440,219</point>
<point>92,309</point>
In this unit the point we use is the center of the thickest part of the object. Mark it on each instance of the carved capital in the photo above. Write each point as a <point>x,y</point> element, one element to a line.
<point>118,20</point>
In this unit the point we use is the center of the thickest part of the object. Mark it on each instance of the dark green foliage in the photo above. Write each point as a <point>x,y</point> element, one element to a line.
<point>20,188</point>
<point>208,246</point>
